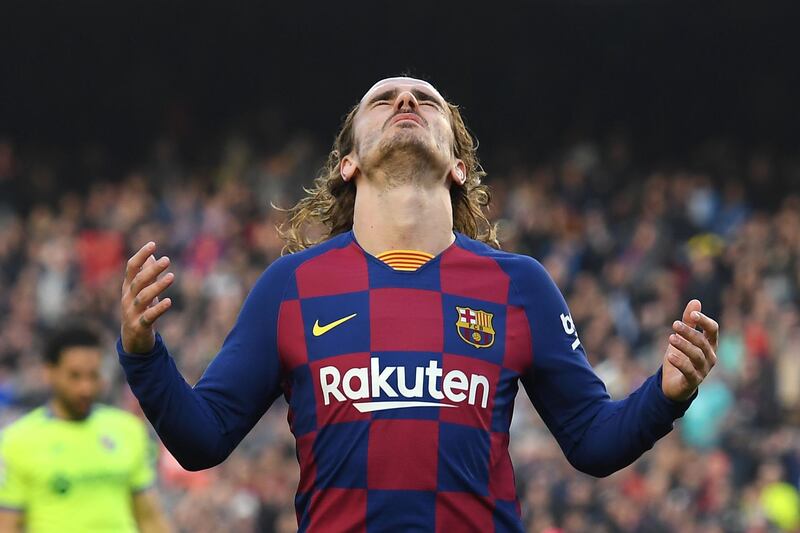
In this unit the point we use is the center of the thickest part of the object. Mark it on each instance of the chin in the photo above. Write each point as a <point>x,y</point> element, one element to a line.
<point>407,142</point>
<point>79,412</point>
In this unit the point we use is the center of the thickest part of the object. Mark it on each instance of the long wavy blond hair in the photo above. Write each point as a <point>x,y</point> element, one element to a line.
<point>329,203</point>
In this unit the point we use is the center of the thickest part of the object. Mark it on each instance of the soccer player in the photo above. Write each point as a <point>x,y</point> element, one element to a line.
<point>73,464</point>
<point>399,342</point>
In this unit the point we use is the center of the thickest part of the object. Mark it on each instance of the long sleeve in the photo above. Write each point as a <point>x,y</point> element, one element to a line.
<point>598,436</point>
<point>201,425</point>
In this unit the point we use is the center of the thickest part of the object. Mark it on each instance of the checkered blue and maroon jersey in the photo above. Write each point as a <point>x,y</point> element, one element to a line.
<point>401,386</point>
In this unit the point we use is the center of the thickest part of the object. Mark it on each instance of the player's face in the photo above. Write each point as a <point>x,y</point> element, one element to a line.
<point>403,115</point>
<point>76,380</point>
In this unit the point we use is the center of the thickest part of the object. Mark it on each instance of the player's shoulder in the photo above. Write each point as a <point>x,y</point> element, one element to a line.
<point>293,260</point>
<point>531,286</point>
<point>109,416</point>
<point>284,267</point>
<point>26,426</point>
<point>521,268</point>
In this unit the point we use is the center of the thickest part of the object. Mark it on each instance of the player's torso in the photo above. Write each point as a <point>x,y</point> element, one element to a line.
<point>401,386</point>
<point>78,474</point>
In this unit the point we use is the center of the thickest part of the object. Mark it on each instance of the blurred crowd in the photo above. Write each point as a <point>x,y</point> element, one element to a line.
<point>628,242</point>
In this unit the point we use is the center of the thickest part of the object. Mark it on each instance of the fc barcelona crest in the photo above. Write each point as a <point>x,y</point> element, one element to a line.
<point>475,327</point>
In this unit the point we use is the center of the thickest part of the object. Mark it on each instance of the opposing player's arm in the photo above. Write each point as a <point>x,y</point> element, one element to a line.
<point>598,435</point>
<point>201,425</point>
<point>146,509</point>
<point>10,520</point>
<point>13,490</point>
<point>148,514</point>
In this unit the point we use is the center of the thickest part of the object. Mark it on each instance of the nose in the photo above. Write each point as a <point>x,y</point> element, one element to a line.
<point>87,388</point>
<point>406,101</point>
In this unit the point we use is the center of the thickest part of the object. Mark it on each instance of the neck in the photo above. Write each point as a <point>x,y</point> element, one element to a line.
<point>403,216</point>
<point>60,411</point>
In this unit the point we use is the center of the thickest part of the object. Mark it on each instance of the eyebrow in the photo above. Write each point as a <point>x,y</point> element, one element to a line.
<point>385,95</point>
<point>389,94</point>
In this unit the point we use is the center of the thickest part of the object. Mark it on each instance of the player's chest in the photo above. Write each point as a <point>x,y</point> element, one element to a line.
<point>64,462</point>
<point>400,320</point>
<point>386,353</point>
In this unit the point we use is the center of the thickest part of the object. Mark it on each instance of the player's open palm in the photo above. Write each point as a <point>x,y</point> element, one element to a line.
<point>140,304</point>
<point>691,353</point>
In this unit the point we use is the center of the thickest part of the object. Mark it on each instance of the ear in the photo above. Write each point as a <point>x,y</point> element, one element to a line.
<point>348,167</point>
<point>458,173</point>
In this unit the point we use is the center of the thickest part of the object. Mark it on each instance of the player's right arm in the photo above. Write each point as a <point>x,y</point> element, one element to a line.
<point>148,513</point>
<point>200,425</point>
<point>13,490</point>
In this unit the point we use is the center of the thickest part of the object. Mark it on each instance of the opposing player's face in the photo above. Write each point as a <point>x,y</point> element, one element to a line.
<point>403,115</point>
<point>76,379</point>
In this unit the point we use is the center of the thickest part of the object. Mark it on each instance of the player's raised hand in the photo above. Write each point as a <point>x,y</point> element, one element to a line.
<point>691,354</point>
<point>140,304</point>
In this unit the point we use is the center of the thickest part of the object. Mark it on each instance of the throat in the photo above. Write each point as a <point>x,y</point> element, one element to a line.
<point>62,411</point>
<point>405,260</point>
<point>404,217</point>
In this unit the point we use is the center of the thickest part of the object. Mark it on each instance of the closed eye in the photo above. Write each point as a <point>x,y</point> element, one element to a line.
<point>388,98</point>
<point>424,98</point>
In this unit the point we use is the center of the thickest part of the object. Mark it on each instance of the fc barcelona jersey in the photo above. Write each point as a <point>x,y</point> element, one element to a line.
<point>401,386</point>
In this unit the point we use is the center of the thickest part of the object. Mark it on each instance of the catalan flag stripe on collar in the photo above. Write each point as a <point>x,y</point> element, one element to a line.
<point>405,260</point>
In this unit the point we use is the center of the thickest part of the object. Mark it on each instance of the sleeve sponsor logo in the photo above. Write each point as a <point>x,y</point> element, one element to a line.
<point>569,329</point>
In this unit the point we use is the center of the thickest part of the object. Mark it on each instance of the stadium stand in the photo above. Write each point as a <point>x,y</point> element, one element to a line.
<point>628,241</point>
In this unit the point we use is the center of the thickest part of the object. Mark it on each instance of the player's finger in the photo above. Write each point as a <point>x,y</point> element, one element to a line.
<point>137,260</point>
<point>699,339</point>
<point>694,353</point>
<point>147,275</point>
<point>709,326</point>
<point>151,314</point>
<point>149,293</point>
<point>685,366</point>
<point>694,306</point>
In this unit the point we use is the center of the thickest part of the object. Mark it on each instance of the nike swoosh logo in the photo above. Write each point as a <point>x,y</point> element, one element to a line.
<point>322,330</point>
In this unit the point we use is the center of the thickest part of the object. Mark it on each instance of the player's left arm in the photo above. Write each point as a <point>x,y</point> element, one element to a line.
<point>146,509</point>
<point>691,353</point>
<point>148,513</point>
<point>598,435</point>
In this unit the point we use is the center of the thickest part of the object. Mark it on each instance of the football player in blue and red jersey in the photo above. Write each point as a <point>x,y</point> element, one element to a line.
<point>399,341</point>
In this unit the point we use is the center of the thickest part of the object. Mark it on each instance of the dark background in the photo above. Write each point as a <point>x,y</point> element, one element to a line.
<point>668,75</point>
